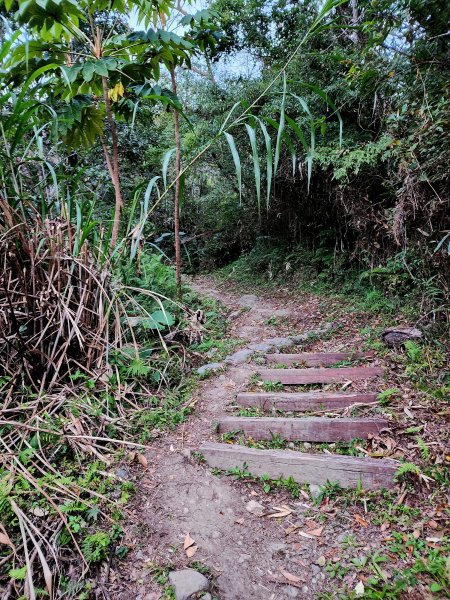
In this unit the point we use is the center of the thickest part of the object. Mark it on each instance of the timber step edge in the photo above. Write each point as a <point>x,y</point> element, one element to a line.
<point>310,376</point>
<point>304,401</point>
<point>306,429</point>
<point>316,359</point>
<point>348,471</point>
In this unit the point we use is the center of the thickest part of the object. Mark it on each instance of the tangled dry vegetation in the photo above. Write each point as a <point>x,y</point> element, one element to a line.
<point>62,321</point>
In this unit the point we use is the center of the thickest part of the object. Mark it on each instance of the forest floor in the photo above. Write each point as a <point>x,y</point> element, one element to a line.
<point>333,546</point>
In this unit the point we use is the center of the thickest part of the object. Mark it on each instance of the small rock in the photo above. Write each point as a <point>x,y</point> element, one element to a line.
<point>187,453</point>
<point>321,561</point>
<point>234,315</point>
<point>279,342</point>
<point>291,592</point>
<point>306,445</point>
<point>282,312</point>
<point>315,569</point>
<point>187,582</point>
<point>209,368</point>
<point>239,357</point>
<point>207,596</point>
<point>255,508</point>
<point>396,336</point>
<point>305,589</point>
<point>298,339</point>
<point>123,473</point>
<point>314,490</point>
<point>244,557</point>
<point>260,347</point>
<point>277,548</point>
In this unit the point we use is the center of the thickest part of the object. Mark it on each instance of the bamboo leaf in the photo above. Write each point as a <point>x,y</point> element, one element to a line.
<point>167,156</point>
<point>237,162</point>
<point>280,128</point>
<point>269,157</point>
<point>256,164</point>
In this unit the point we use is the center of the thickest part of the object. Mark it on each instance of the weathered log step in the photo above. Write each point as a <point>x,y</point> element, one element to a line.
<point>303,401</point>
<point>329,375</point>
<point>308,429</point>
<point>348,471</point>
<point>315,359</point>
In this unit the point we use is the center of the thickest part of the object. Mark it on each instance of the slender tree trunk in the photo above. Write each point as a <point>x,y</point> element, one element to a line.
<point>355,18</point>
<point>113,165</point>
<point>176,121</point>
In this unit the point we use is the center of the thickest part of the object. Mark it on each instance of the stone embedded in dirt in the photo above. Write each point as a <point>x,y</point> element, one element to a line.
<point>188,582</point>
<point>239,357</point>
<point>209,368</point>
<point>321,561</point>
<point>255,508</point>
<point>260,347</point>
<point>281,342</point>
<point>302,337</point>
<point>123,473</point>
<point>282,312</point>
<point>248,300</point>
<point>234,315</point>
<point>395,336</point>
<point>278,548</point>
<point>314,490</point>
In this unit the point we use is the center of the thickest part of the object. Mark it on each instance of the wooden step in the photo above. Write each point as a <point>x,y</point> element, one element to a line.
<point>329,375</point>
<point>304,401</point>
<point>315,359</point>
<point>348,471</point>
<point>308,429</point>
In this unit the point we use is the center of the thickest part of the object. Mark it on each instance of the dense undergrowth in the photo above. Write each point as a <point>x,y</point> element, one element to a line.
<point>399,286</point>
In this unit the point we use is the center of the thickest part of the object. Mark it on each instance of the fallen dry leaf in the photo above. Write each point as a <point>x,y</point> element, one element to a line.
<point>239,521</point>
<point>191,551</point>
<point>416,534</point>
<point>289,576</point>
<point>361,521</point>
<point>384,526</point>
<point>4,539</point>
<point>432,523</point>
<point>188,541</point>
<point>142,460</point>
<point>306,535</point>
<point>291,529</point>
<point>316,532</point>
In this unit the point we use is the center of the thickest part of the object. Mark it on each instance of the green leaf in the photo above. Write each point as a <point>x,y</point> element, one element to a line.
<point>280,128</point>
<point>167,156</point>
<point>269,157</point>
<point>256,165</point>
<point>237,162</point>
<point>88,71</point>
<point>160,319</point>
<point>101,68</point>
<point>18,574</point>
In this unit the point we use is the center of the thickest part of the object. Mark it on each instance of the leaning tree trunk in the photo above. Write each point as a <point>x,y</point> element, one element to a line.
<point>176,122</point>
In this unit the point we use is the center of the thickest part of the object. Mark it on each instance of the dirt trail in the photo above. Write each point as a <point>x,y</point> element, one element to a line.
<point>243,551</point>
